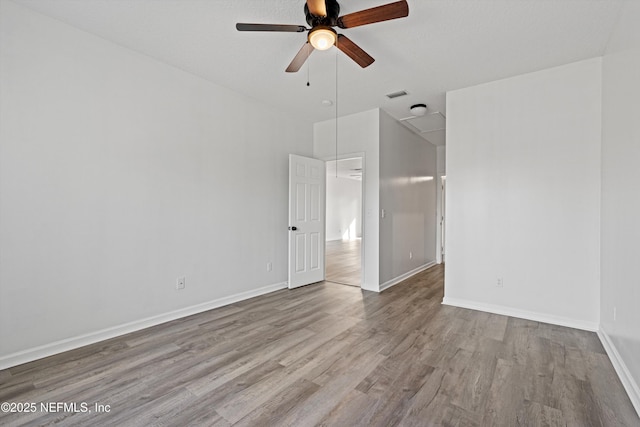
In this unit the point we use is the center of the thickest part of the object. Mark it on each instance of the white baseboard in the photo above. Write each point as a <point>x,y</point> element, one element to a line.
<point>50,349</point>
<point>630,385</point>
<point>405,276</point>
<point>522,314</point>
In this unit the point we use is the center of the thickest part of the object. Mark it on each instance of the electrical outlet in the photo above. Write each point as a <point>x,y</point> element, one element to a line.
<point>499,283</point>
<point>410,255</point>
<point>383,213</point>
<point>180,282</point>
<point>269,266</point>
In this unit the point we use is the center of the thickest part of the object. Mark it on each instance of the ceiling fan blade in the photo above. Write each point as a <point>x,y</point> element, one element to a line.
<point>317,7</point>
<point>271,27</point>
<point>399,9</point>
<point>300,58</point>
<point>354,51</point>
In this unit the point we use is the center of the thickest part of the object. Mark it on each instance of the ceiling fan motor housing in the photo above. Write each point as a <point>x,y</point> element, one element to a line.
<point>331,20</point>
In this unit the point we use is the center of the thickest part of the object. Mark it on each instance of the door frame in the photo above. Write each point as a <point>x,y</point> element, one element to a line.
<point>441,218</point>
<point>361,155</point>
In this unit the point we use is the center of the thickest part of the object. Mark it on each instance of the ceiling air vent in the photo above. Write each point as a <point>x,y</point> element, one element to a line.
<point>397,94</point>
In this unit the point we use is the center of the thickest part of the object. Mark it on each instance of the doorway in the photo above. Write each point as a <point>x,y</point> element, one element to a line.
<point>442,216</point>
<point>343,231</point>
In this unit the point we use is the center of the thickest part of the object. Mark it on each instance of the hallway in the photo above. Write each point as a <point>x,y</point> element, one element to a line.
<point>343,262</point>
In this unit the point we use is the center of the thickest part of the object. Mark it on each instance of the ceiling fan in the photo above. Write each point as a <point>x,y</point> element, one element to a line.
<point>322,16</point>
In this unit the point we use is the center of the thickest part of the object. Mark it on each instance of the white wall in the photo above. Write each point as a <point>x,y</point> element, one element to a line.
<point>408,198</point>
<point>441,152</point>
<point>620,288</point>
<point>344,208</point>
<point>523,195</point>
<point>358,136</point>
<point>117,175</point>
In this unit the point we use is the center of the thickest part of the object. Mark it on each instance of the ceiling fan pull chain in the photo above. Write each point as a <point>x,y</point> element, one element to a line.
<point>308,67</point>
<point>336,109</point>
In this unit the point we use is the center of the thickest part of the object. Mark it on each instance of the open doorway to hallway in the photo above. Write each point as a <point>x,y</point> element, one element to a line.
<point>343,232</point>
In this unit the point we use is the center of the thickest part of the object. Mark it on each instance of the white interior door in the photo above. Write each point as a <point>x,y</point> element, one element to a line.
<point>307,183</point>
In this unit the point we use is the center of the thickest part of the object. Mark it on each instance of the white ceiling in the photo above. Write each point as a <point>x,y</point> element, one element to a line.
<point>442,45</point>
<point>347,168</point>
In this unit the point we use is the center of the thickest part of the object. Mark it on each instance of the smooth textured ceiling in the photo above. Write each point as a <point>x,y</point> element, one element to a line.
<point>347,168</point>
<point>442,45</point>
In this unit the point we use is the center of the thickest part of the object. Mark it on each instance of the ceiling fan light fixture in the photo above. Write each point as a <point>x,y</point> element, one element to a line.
<point>418,109</point>
<point>322,38</point>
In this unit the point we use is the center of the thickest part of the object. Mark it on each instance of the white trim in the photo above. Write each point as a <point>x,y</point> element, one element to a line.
<point>630,385</point>
<point>405,276</point>
<point>522,314</point>
<point>50,349</point>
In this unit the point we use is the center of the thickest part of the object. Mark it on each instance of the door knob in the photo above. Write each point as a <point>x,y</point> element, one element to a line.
<point>293,228</point>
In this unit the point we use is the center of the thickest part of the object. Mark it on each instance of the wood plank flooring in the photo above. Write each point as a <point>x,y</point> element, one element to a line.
<point>332,355</point>
<point>343,262</point>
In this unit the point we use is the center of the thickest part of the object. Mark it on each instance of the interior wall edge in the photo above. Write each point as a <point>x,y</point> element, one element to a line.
<point>50,349</point>
<point>522,314</point>
<point>631,387</point>
<point>405,276</point>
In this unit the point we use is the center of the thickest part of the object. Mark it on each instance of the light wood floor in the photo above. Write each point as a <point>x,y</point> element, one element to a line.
<point>333,355</point>
<point>343,262</point>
